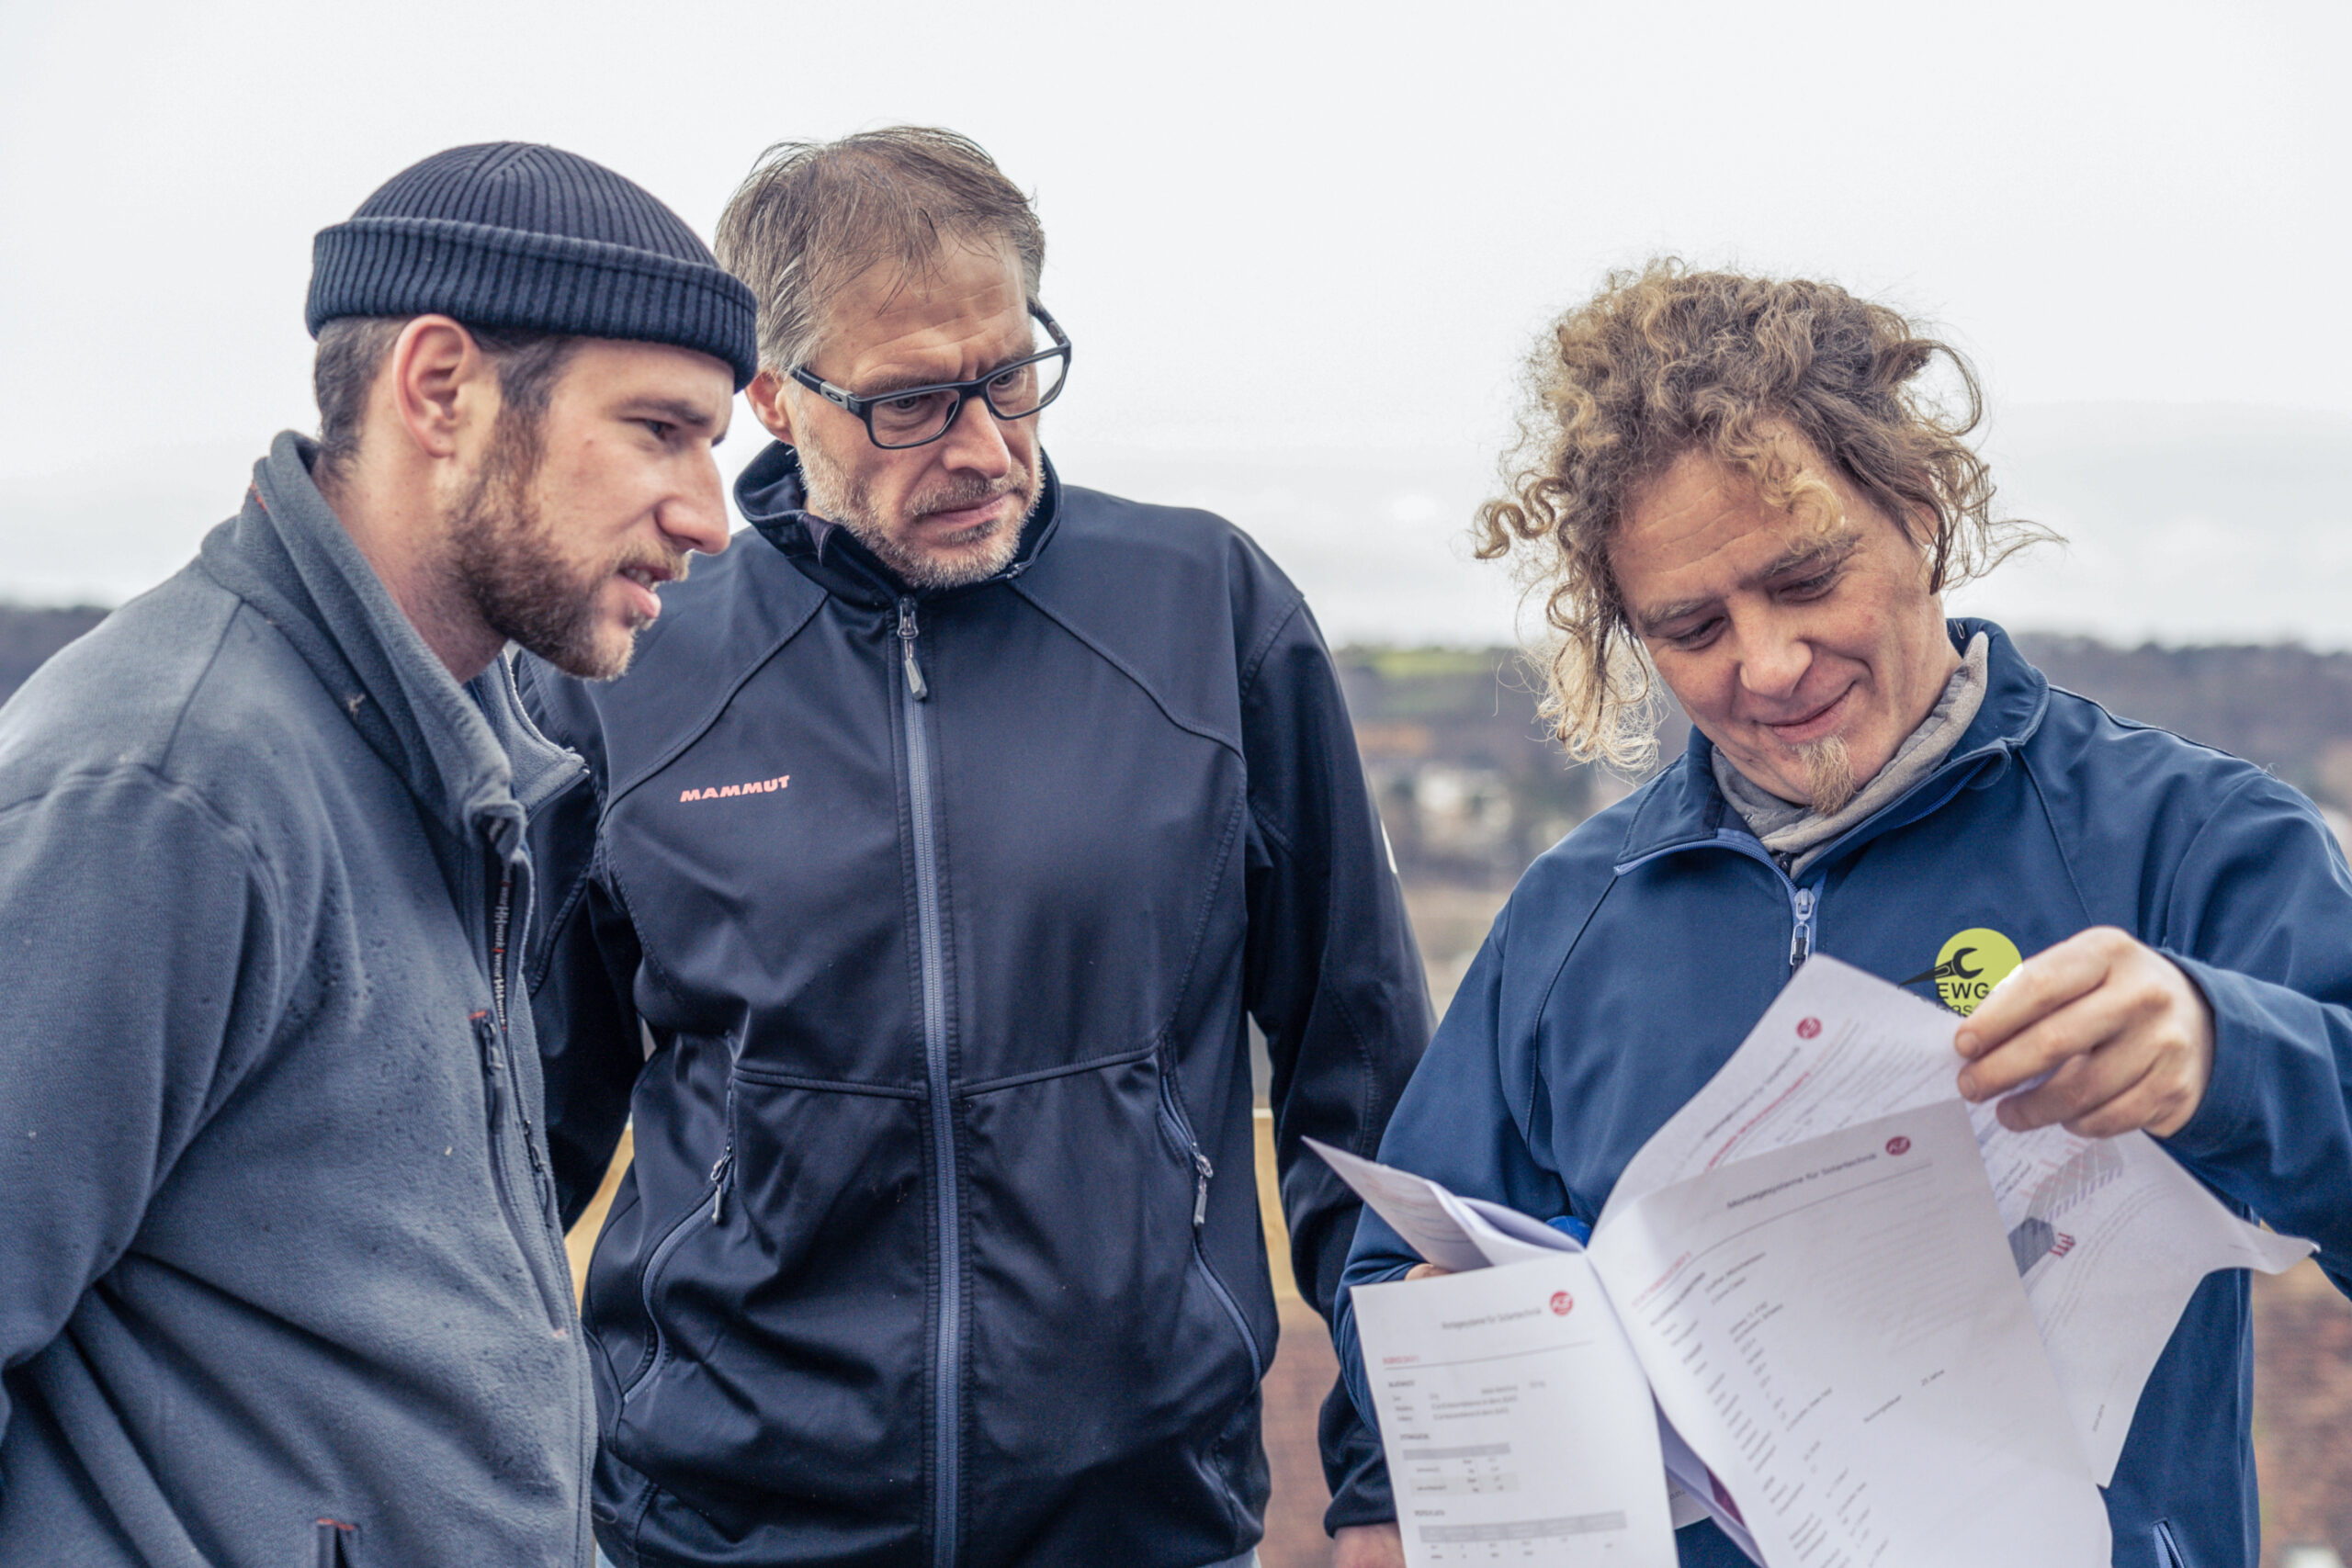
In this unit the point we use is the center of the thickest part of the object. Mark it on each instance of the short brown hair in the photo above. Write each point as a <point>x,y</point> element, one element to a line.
<point>351,355</point>
<point>814,215</point>
<point>1666,361</point>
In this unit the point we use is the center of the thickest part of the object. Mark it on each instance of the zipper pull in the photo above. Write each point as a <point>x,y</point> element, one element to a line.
<point>917,687</point>
<point>718,1174</point>
<point>1201,1189</point>
<point>493,1091</point>
<point>1801,938</point>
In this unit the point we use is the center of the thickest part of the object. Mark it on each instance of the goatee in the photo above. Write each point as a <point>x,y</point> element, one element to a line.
<point>1828,775</point>
<point>980,554</point>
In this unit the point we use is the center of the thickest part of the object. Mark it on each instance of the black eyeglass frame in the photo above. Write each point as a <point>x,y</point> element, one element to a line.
<point>965,391</point>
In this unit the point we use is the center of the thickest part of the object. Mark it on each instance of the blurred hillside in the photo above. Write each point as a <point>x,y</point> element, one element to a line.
<point>1471,791</point>
<point>29,635</point>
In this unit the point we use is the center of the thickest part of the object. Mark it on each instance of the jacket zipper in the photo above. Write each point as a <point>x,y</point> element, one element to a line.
<point>947,1397</point>
<point>1805,903</point>
<point>1202,1173</point>
<point>657,1342</point>
<point>501,924</point>
<point>917,687</point>
<point>494,1095</point>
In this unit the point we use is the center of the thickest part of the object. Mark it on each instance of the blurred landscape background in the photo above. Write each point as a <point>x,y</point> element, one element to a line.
<point>1301,251</point>
<point>1470,792</point>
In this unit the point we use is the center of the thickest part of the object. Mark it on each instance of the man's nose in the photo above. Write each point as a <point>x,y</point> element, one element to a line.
<point>975,442</point>
<point>695,517</point>
<point>1772,661</point>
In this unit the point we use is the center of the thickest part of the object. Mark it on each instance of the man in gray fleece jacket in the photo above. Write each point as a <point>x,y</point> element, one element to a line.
<point>281,1282</point>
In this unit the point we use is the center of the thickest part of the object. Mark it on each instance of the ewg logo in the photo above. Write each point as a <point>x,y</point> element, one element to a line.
<point>1969,966</point>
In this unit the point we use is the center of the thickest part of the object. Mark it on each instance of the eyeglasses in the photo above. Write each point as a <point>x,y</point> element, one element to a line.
<point>917,416</point>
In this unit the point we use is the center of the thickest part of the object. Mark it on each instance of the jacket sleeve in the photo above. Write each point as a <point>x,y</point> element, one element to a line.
<point>2260,917</point>
<point>139,958</point>
<point>1461,1126</point>
<point>1334,980</point>
<point>581,964</point>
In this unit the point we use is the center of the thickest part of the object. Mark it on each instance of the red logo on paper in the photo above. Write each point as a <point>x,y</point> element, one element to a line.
<point>1562,1303</point>
<point>1898,1146</point>
<point>1807,1028</point>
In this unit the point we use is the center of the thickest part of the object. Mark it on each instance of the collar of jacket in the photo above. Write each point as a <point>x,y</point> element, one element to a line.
<point>773,499</point>
<point>470,756</point>
<point>1684,809</point>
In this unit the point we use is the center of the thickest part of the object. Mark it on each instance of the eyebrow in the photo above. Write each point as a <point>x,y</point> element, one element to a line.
<point>1819,554</point>
<point>886,385</point>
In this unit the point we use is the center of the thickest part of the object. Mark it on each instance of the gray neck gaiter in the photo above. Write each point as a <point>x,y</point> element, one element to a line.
<point>1794,835</point>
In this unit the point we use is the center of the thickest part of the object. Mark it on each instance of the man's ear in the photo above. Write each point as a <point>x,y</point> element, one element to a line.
<point>766,394</point>
<point>442,385</point>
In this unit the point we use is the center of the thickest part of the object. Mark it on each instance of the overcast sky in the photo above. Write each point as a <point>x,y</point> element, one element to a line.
<point>1302,250</point>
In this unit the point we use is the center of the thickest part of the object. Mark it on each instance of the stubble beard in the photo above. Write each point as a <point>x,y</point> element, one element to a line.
<point>975,556</point>
<point>1828,774</point>
<point>508,562</point>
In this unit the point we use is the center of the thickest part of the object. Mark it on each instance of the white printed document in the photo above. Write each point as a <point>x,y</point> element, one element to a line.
<point>2113,1237</point>
<point>1463,1233</point>
<point>1837,1331</point>
<point>1878,1326</point>
<point>2110,1236</point>
<point>1516,1423</point>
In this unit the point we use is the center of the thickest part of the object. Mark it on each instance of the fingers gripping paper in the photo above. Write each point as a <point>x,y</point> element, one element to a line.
<point>1879,1328</point>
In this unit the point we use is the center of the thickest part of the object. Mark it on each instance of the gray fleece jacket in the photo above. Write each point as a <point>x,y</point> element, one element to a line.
<point>280,1281</point>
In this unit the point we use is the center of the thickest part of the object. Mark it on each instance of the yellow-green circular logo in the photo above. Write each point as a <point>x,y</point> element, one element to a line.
<point>1971,963</point>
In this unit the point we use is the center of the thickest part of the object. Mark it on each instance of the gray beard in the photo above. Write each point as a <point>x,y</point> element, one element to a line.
<point>851,506</point>
<point>1828,775</point>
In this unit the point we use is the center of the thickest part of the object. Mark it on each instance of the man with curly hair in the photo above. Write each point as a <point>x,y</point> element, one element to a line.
<point>1738,488</point>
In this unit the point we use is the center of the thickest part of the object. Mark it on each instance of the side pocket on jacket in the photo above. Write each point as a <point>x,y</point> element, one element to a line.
<point>1180,1128</point>
<point>2168,1552</point>
<point>709,1210</point>
<point>330,1544</point>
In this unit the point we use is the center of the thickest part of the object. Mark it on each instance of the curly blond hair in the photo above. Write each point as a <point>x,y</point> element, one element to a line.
<point>1666,361</point>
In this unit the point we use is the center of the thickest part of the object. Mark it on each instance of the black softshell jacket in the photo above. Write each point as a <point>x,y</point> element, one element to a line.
<point>941,912</point>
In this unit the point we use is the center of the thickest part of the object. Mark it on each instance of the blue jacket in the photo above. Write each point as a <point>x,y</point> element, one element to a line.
<point>944,912</point>
<point>277,1240</point>
<point>1636,954</point>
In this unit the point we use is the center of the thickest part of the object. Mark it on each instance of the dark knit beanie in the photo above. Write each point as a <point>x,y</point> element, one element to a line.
<point>514,237</point>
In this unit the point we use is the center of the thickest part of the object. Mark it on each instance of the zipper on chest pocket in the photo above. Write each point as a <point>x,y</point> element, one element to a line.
<point>497,1091</point>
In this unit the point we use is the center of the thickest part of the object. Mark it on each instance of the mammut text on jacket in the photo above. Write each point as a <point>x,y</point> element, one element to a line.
<point>1634,957</point>
<point>277,1254</point>
<point>943,911</point>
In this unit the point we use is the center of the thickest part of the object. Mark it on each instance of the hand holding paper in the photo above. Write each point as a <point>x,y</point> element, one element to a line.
<point>1895,1328</point>
<point>2123,1037</point>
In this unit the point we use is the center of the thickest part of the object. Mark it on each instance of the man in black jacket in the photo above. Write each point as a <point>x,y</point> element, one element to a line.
<point>930,863</point>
